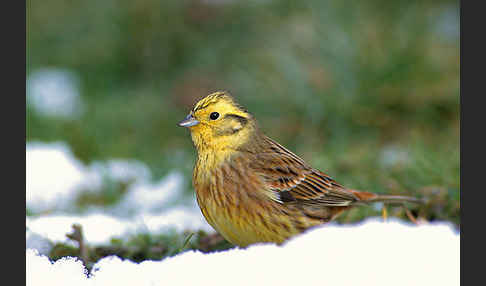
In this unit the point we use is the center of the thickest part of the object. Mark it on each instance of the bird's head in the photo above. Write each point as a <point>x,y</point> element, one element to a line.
<point>217,122</point>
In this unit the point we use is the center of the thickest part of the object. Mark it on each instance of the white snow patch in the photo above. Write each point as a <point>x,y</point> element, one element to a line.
<point>152,198</point>
<point>54,92</point>
<point>38,242</point>
<point>392,155</point>
<point>126,171</point>
<point>53,176</point>
<point>98,229</point>
<point>180,218</point>
<point>55,179</point>
<point>65,271</point>
<point>371,253</point>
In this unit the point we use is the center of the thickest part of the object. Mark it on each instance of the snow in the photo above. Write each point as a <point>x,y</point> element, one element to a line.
<point>393,155</point>
<point>66,271</point>
<point>54,92</point>
<point>150,197</point>
<point>179,218</point>
<point>55,178</point>
<point>370,253</point>
<point>98,228</point>
<point>123,170</point>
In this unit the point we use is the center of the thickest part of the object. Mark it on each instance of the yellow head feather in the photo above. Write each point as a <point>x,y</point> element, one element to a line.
<point>223,126</point>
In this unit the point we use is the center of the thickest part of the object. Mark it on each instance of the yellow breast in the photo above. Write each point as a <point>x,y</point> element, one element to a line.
<point>240,225</point>
<point>234,202</point>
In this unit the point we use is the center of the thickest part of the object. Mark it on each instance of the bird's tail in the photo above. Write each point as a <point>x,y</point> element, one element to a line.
<point>367,197</point>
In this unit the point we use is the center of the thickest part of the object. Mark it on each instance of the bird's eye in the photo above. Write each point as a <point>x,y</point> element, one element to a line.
<point>214,115</point>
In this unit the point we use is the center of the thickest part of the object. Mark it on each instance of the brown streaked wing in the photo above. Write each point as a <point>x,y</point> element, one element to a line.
<point>295,181</point>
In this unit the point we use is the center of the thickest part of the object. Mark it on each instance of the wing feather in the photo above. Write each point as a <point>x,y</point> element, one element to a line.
<point>294,181</point>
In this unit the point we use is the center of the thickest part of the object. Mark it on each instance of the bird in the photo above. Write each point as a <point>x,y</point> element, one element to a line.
<point>250,188</point>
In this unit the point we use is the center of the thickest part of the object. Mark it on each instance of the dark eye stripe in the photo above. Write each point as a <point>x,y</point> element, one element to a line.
<point>241,119</point>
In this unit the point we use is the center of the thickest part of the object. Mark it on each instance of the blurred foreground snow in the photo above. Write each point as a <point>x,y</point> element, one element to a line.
<point>371,253</point>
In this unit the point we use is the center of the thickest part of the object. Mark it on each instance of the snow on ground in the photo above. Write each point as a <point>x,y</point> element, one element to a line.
<point>122,170</point>
<point>55,178</point>
<point>99,228</point>
<point>370,253</point>
<point>151,198</point>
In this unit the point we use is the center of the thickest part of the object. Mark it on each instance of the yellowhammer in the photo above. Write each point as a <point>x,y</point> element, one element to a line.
<point>250,188</point>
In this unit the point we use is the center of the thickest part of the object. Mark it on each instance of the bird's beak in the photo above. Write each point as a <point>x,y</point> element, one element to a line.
<point>188,121</point>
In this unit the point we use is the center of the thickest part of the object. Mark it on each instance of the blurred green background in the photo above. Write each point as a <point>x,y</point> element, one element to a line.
<point>366,91</point>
